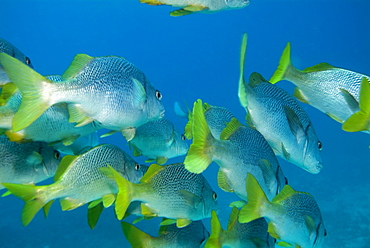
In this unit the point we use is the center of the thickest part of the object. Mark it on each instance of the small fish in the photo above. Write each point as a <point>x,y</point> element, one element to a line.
<point>199,6</point>
<point>332,90</point>
<point>27,163</point>
<point>8,48</point>
<point>170,236</point>
<point>108,90</point>
<point>168,191</point>
<point>77,181</point>
<point>288,209</point>
<point>158,140</point>
<point>249,235</point>
<point>239,151</point>
<point>280,119</point>
<point>52,126</point>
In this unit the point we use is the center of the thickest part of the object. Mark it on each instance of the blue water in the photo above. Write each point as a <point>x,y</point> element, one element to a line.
<point>197,56</point>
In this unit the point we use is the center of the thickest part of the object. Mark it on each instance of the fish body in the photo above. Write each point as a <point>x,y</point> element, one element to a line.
<point>170,236</point>
<point>168,191</point>
<point>27,163</point>
<point>51,127</point>
<point>288,209</point>
<point>250,235</point>
<point>8,48</point>
<point>199,6</point>
<point>108,90</point>
<point>79,180</point>
<point>332,90</point>
<point>158,140</point>
<point>239,151</point>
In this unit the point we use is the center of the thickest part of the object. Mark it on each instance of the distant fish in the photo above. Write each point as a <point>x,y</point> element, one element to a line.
<point>51,127</point>
<point>170,236</point>
<point>248,235</point>
<point>239,150</point>
<point>168,191</point>
<point>8,48</point>
<point>287,210</point>
<point>199,6</point>
<point>27,163</point>
<point>78,181</point>
<point>280,119</point>
<point>337,92</point>
<point>108,90</point>
<point>158,140</point>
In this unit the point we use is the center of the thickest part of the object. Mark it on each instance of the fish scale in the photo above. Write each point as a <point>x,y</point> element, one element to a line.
<point>217,119</point>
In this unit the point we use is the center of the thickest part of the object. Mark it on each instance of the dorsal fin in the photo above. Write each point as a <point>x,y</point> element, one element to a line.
<point>230,129</point>
<point>78,63</point>
<point>319,67</point>
<point>233,218</point>
<point>152,171</point>
<point>284,194</point>
<point>63,166</point>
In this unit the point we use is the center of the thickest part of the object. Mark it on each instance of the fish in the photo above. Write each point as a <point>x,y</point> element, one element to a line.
<point>110,91</point>
<point>168,191</point>
<point>199,6</point>
<point>288,209</point>
<point>27,163</point>
<point>334,91</point>
<point>8,48</point>
<point>78,181</point>
<point>52,126</point>
<point>249,235</point>
<point>280,119</point>
<point>193,235</point>
<point>239,151</point>
<point>158,141</point>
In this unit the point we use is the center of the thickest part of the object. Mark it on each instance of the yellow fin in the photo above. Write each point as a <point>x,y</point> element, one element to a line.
<point>31,85</point>
<point>94,203</point>
<point>284,64</point>
<point>79,62</point>
<point>128,133</point>
<point>223,182</point>
<point>180,12</point>
<point>14,137</point>
<point>108,134</point>
<point>233,218</point>
<point>350,100</point>
<point>284,244</point>
<point>93,214</point>
<point>230,129</point>
<point>360,121</point>
<point>319,67</point>
<point>167,222</point>
<point>284,194</point>
<point>238,204</point>
<point>151,2</point>
<point>180,223</point>
<point>151,172</point>
<point>69,203</point>
<point>216,237</point>
<point>108,200</point>
<point>271,229</point>
<point>299,95</point>
<point>69,140</point>
<point>189,9</point>
<point>63,166</point>
<point>147,211</point>
<point>7,91</point>
<point>46,208</point>
<point>76,114</point>
<point>199,157</point>
<point>135,236</point>
<point>242,88</point>
<point>161,160</point>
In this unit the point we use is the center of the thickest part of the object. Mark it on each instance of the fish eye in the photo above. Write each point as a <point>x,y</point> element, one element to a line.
<point>28,61</point>
<point>137,166</point>
<point>319,145</point>
<point>158,95</point>
<point>182,137</point>
<point>56,154</point>
<point>214,196</point>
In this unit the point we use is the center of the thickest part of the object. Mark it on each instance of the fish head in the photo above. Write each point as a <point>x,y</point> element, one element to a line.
<point>50,160</point>
<point>154,106</point>
<point>318,237</point>
<point>237,3</point>
<point>209,200</point>
<point>312,161</point>
<point>179,145</point>
<point>133,171</point>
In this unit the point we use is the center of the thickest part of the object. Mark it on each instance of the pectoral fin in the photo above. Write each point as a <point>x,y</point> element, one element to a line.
<point>223,182</point>
<point>93,214</point>
<point>151,2</point>
<point>299,95</point>
<point>188,10</point>
<point>190,198</point>
<point>295,124</point>
<point>351,101</point>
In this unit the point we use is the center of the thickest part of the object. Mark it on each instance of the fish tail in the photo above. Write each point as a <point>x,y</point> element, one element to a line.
<point>360,121</point>
<point>199,157</point>
<point>32,196</point>
<point>215,239</point>
<point>125,191</point>
<point>256,200</point>
<point>30,84</point>
<point>135,236</point>
<point>284,65</point>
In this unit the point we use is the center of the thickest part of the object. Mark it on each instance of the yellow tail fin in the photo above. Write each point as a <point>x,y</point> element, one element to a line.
<point>30,83</point>
<point>199,157</point>
<point>284,64</point>
<point>136,237</point>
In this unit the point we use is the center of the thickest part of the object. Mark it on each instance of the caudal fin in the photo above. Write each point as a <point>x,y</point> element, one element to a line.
<point>30,84</point>
<point>199,156</point>
<point>136,237</point>
<point>360,121</point>
<point>256,200</point>
<point>215,239</point>
<point>31,195</point>
<point>124,196</point>
<point>284,65</point>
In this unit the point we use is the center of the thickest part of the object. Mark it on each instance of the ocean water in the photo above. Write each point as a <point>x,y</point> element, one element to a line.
<point>197,56</point>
